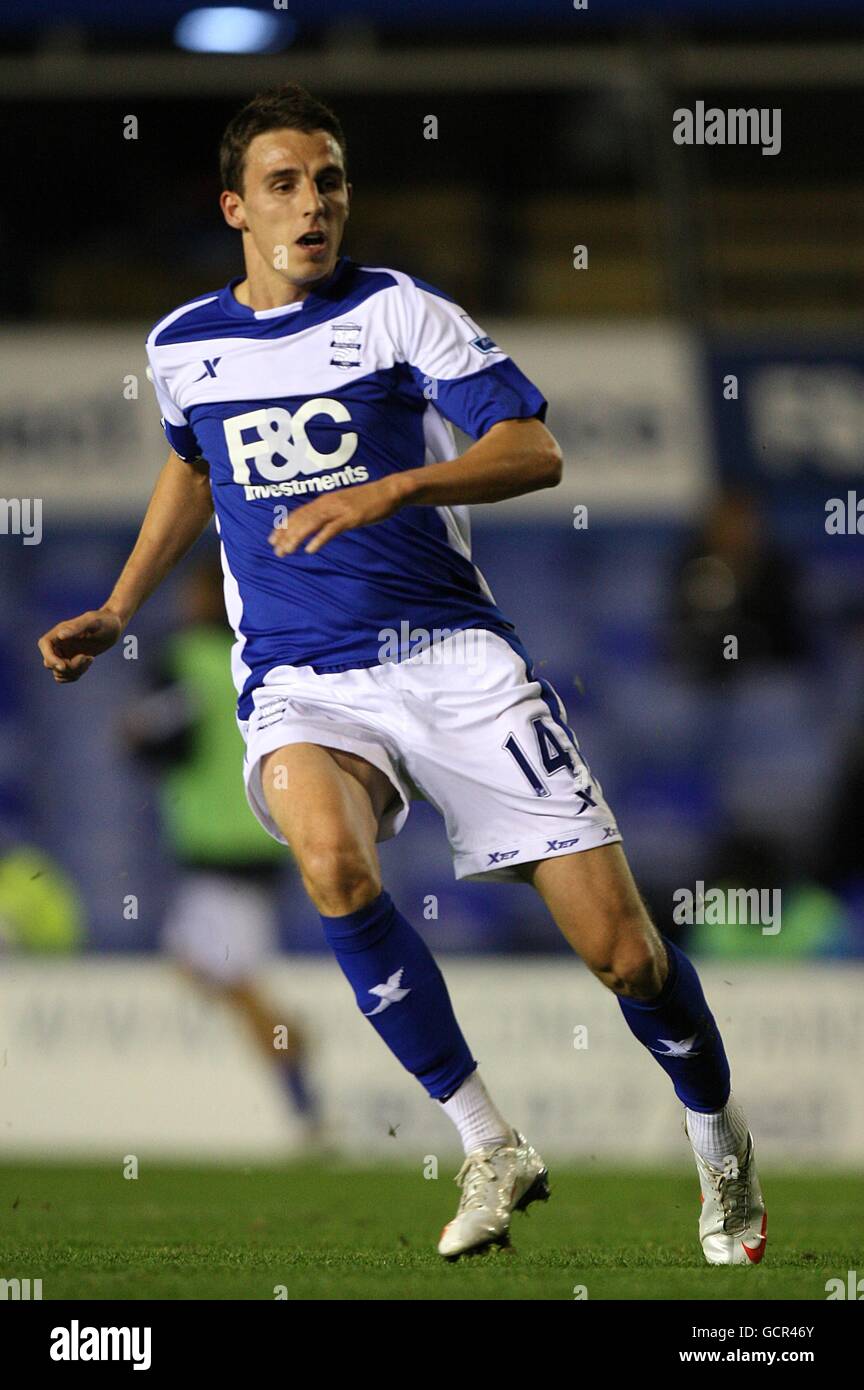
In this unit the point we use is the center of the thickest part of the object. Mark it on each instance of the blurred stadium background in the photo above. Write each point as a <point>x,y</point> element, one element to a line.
<point>706,516</point>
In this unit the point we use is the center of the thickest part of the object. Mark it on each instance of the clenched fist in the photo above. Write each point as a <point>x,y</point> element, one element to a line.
<point>69,648</point>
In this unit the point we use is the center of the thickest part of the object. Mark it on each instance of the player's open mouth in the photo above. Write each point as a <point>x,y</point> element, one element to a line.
<point>312,240</point>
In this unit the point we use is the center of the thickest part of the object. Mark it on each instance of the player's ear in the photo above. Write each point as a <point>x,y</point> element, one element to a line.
<point>232,209</point>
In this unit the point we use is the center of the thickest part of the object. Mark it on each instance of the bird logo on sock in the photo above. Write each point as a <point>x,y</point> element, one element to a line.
<point>684,1048</point>
<point>389,993</point>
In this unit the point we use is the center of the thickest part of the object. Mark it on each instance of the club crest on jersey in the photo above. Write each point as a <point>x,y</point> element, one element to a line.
<point>345,345</point>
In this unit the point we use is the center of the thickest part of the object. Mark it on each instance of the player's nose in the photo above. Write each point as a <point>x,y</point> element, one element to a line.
<point>313,198</point>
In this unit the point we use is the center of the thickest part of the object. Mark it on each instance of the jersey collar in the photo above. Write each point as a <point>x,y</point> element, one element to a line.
<point>328,290</point>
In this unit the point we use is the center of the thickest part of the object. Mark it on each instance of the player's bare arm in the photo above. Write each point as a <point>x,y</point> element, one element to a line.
<point>180,508</point>
<point>512,458</point>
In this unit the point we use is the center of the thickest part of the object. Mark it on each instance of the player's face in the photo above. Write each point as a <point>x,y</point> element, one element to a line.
<point>295,202</point>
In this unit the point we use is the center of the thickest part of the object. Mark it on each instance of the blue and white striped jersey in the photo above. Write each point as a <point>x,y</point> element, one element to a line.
<point>358,380</point>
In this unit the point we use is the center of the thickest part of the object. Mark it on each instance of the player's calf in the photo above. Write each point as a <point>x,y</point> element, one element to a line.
<point>597,907</point>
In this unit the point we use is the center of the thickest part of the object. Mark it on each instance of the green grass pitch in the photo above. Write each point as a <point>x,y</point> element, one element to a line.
<point>332,1232</point>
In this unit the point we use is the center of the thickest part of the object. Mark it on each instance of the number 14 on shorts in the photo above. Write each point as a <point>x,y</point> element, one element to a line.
<point>552,754</point>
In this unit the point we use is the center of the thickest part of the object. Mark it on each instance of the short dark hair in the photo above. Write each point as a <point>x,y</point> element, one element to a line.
<point>288,107</point>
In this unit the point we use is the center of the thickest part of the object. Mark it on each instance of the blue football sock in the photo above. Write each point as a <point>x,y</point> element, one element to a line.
<point>400,989</point>
<point>679,1030</point>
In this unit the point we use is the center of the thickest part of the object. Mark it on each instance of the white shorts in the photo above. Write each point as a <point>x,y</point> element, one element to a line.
<point>221,927</point>
<point>459,725</point>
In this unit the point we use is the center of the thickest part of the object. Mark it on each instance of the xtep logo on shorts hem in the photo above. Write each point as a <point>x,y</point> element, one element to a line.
<point>496,855</point>
<point>563,844</point>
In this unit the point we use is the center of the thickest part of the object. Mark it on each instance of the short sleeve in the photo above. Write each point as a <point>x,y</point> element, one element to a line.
<point>466,375</point>
<point>178,431</point>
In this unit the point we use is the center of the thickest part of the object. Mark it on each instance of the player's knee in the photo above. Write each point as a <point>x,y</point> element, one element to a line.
<point>339,877</point>
<point>637,975</point>
<point>638,970</point>
<point>635,964</point>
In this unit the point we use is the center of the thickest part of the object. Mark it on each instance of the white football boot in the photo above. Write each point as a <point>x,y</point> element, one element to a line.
<point>495,1182</point>
<point>733,1223</point>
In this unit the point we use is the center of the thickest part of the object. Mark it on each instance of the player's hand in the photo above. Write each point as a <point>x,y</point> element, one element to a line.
<point>330,515</point>
<point>69,648</point>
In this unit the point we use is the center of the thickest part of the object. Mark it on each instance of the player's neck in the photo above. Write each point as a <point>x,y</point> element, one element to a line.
<point>258,291</point>
<point>264,288</point>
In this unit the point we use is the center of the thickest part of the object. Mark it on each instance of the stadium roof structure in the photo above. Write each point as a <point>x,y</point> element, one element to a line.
<point>153,15</point>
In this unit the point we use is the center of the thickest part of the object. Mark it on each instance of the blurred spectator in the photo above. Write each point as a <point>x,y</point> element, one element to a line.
<point>221,927</point>
<point>732,581</point>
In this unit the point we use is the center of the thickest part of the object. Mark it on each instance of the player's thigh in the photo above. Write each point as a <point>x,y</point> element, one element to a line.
<point>595,903</point>
<point>328,804</point>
